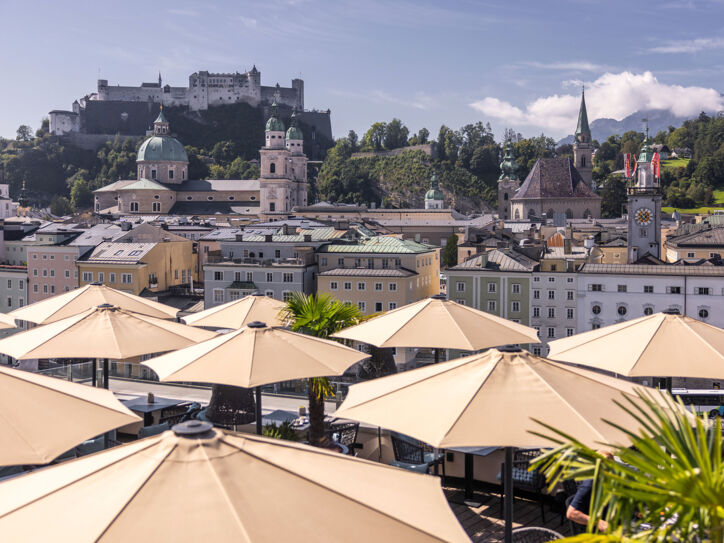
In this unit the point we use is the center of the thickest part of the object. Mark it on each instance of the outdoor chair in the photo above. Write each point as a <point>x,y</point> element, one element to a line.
<point>346,434</point>
<point>525,479</point>
<point>155,429</point>
<point>534,535</point>
<point>410,454</point>
<point>191,412</point>
<point>173,415</point>
<point>569,489</point>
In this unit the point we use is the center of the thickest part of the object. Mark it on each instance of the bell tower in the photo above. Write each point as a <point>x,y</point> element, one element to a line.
<point>508,182</point>
<point>582,144</point>
<point>644,207</point>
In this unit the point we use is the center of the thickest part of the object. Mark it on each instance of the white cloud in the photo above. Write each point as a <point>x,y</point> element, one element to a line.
<point>613,95</point>
<point>689,46</point>
<point>575,66</point>
<point>248,22</point>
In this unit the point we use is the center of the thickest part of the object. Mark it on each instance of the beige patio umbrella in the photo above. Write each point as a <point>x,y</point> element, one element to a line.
<point>42,417</point>
<point>103,332</point>
<point>81,299</point>
<point>662,344</point>
<point>439,323</point>
<point>7,322</point>
<point>241,312</point>
<point>253,356</point>
<point>197,483</point>
<point>489,399</point>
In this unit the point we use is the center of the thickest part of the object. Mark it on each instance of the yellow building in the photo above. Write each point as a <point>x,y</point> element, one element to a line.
<point>706,243</point>
<point>380,273</point>
<point>145,258</point>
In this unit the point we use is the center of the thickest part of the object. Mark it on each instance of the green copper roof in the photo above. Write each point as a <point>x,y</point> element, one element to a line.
<point>161,117</point>
<point>144,184</point>
<point>508,167</point>
<point>582,128</point>
<point>162,149</point>
<point>294,133</point>
<point>646,152</point>
<point>274,124</point>
<point>434,193</point>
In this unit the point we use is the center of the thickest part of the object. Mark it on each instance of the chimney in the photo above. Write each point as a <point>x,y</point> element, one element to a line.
<point>307,237</point>
<point>268,238</point>
<point>126,226</point>
<point>589,242</point>
<point>567,246</point>
<point>239,237</point>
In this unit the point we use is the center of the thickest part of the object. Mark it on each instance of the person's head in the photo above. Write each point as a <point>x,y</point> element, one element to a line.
<point>606,453</point>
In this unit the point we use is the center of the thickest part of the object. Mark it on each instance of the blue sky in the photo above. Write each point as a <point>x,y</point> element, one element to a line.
<point>516,64</point>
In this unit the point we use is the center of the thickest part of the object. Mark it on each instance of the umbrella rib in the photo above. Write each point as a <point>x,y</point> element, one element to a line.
<point>598,337</point>
<point>251,361</point>
<point>648,343</point>
<point>343,458</point>
<point>705,342</point>
<point>455,322</point>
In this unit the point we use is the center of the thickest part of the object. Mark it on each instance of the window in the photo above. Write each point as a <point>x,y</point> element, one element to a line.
<point>21,302</point>
<point>361,286</point>
<point>218,276</point>
<point>170,173</point>
<point>460,286</point>
<point>569,313</point>
<point>340,262</point>
<point>703,313</point>
<point>551,332</point>
<point>551,312</point>
<point>273,207</point>
<point>552,279</point>
<point>52,289</point>
<point>45,272</point>
<point>357,262</point>
<point>702,290</point>
<point>537,329</point>
<point>649,289</point>
<point>347,286</point>
<point>288,277</point>
<point>536,351</point>
<point>272,167</point>
<point>596,309</point>
<point>569,279</point>
<point>492,287</point>
<point>393,287</point>
<point>536,279</point>
<point>35,256</point>
<point>333,285</point>
<point>515,307</point>
<point>378,286</point>
<point>595,287</point>
<point>551,294</point>
<point>492,306</point>
<point>153,174</point>
<point>648,310</point>
<point>45,257</point>
<point>10,283</point>
<point>378,307</point>
<point>126,278</point>
<point>362,306</point>
<point>218,295</point>
<point>460,301</point>
<point>88,276</point>
<point>570,332</point>
<point>45,289</point>
<point>621,310</point>
<point>269,277</point>
<point>101,277</point>
<point>323,261</point>
<point>595,326</point>
<point>67,274</point>
<point>536,311</point>
<point>622,288</point>
<point>392,305</point>
<point>569,295</point>
<point>35,272</point>
<point>134,206</point>
<point>112,277</point>
<point>673,290</point>
<point>536,294</point>
<point>269,293</point>
<point>690,255</point>
<point>35,288</point>
<point>156,207</point>
<point>516,288</point>
<point>371,263</point>
<point>21,284</point>
<point>643,232</point>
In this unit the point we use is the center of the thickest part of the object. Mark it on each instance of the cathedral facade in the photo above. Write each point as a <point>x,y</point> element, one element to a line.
<point>163,186</point>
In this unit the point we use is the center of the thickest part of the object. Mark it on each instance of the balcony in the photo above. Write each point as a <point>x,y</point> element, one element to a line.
<point>261,262</point>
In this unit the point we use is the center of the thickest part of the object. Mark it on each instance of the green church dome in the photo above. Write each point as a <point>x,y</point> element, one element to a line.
<point>274,124</point>
<point>294,133</point>
<point>162,149</point>
<point>433,194</point>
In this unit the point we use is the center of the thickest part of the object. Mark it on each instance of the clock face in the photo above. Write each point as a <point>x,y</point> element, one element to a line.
<point>643,216</point>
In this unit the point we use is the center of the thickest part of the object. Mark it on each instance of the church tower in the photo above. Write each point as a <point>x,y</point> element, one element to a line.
<point>508,182</point>
<point>433,197</point>
<point>644,208</point>
<point>582,145</point>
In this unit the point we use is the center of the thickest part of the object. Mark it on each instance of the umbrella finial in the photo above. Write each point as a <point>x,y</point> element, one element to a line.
<point>438,297</point>
<point>510,349</point>
<point>671,311</point>
<point>193,428</point>
<point>256,324</point>
<point>107,306</point>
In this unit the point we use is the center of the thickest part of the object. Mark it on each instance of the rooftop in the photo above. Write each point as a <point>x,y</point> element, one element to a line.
<point>499,260</point>
<point>379,245</point>
<point>644,269</point>
<point>120,253</point>
<point>554,178</point>
<point>367,272</point>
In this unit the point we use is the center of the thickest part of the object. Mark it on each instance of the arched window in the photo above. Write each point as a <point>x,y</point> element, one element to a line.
<point>272,168</point>
<point>569,214</point>
<point>587,214</point>
<point>134,206</point>
<point>505,196</point>
<point>648,311</point>
<point>596,309</point>
<point>517,214</point>
<point>583,161</point>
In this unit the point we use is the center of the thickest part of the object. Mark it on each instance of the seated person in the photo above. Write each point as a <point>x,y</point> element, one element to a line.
<point>580,506</point>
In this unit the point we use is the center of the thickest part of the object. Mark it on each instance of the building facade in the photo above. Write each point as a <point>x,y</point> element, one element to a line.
<point>644,208</point>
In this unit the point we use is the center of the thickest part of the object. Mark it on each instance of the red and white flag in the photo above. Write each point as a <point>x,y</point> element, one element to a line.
<point>656,164</point>
<point>634,164</point>
<point>627,163</point>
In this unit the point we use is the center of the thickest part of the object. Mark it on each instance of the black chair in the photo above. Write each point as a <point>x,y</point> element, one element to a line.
<point>173,415</point>
<point>525,479</point>
<point>535,535</point>
<point>345,433</point>
<point>410,454</point>
<point>191,412</point>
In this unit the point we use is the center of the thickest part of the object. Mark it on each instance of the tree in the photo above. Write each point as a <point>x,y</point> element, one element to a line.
<point>319,315</point>
<point>395,135</point>
<point>373,138</point>
<point>353,141</point>
<point>422,136</point>
<point>60,206</point>
<point>24,133</point>
<point>613,195</point>
<point>450,252</point>
<point>81,195</point>
<point>668,484</point>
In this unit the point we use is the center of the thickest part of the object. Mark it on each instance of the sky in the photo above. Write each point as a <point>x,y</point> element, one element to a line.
<point>516,64</point>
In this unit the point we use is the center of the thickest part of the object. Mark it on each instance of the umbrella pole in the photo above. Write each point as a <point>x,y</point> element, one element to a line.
<point>94,372</point>
<point>469,498</point>
<point>258,410</point>
<point>106,379</point>
<point>379,444</point>
<point>508,488</point>
<point>437,355</point>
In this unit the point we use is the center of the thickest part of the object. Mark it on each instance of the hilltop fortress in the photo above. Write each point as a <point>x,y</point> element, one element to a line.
<point>130,111</point>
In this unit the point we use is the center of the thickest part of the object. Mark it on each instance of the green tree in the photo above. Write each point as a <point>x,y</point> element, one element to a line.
<point>396,135</point>
<point>81,194</point>
<point>374,137</point>
<point>450,252</point>
<point>613,194</point>
<point>60,206</point>
<point>422,136</point>
<point>353,141</point>
<point>319,315</point>
<point>24,133</point>
<point>668,484</point>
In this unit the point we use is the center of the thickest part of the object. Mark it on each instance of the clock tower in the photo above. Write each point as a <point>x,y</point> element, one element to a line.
<point>644,208</point>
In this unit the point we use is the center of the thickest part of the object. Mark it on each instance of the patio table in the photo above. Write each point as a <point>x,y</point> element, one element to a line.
<point>469,453</point>
<point>142,406</point>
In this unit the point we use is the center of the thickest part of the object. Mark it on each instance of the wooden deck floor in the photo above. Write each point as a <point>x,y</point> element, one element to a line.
<point>485,523</point>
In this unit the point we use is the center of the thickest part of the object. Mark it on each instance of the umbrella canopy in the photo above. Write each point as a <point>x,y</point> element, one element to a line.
<point>241,312</point>
<point>439,323</point>
<point>6,322</point>
<point>662,344</point>
<point>102,332</point>
<point>42,417</point>
<point>84,298</point>
<point>255,355</point>
<point>216,486</point>
<point>489,399</point>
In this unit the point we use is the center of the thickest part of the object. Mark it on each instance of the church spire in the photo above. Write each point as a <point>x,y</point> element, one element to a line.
<point>508,167</point>
<point>583,132</point>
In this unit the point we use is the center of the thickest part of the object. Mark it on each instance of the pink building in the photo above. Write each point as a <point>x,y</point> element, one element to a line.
<point>51,270</point>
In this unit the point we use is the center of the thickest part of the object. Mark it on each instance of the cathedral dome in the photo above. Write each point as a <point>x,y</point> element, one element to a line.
<point>162,149</point>
<point>274,124</point>
<point>294,133</point>
<point>433,194</point>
